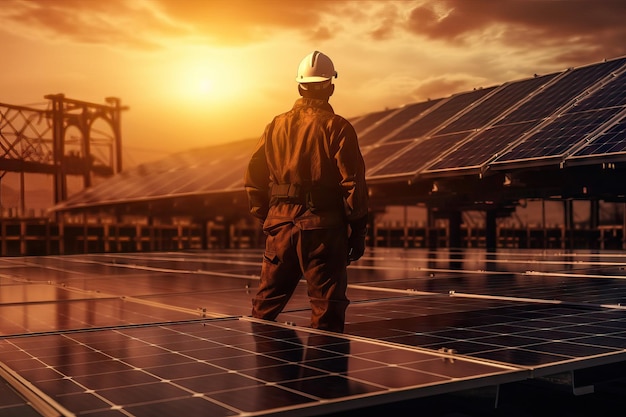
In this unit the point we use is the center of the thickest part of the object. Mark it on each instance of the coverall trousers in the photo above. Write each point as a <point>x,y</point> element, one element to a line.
<point>318,255</point>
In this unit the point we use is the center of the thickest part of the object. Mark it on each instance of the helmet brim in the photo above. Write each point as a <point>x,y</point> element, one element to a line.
<point>316,79</point>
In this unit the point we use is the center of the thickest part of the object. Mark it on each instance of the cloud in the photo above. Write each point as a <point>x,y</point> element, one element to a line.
<point>595,27</point>
<point>114,22</point>
<point>150,24</point>
<point>437,87</point>
<point>385,23</point>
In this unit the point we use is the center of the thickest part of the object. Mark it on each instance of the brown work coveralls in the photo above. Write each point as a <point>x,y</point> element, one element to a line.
<point>306,183</point>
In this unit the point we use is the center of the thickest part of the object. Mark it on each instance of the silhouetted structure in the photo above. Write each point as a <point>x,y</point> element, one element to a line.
<point>62,140</point>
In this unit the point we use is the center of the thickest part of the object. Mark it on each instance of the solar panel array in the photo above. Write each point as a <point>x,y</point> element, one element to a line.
<point>146,334</point>
<point>517,126</point>
<point>200,171</point>
<point>573,116</point>
<point>576,123</point>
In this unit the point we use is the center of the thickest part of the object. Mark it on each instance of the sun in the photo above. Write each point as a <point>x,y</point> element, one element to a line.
<point>204,86</point>
<point>196,78</point>
<point>195,83</point>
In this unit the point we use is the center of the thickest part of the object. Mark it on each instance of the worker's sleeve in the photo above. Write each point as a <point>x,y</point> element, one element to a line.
<point>352,171</point>
<point>257,180</point>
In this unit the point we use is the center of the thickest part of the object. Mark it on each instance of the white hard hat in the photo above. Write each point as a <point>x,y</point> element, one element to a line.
<point>316,67</point>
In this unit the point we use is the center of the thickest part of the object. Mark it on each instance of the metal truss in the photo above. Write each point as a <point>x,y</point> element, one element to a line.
<point>69,137</point>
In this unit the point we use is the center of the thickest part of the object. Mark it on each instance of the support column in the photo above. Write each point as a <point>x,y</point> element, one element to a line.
<point>431,233</point>
<point>594,222</point>
<point>568,225</point>
<point>491,238</point>
<point>204,223</point>
<point>406,228</point>
<point>58,137</point>
<point>624,227</point>
<point>454,225</point>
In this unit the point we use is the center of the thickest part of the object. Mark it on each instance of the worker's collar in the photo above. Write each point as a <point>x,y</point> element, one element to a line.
<point>314,102</point>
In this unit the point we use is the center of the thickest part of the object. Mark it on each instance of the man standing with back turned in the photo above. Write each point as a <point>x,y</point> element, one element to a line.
<point>306,183</point>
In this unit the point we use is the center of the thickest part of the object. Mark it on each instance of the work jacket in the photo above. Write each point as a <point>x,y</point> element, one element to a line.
<point>307,169</point>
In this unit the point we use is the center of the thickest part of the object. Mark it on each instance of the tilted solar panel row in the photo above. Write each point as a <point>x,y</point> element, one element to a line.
<point>567,124</point>
<point>544,119</point>
<point>449,136</point>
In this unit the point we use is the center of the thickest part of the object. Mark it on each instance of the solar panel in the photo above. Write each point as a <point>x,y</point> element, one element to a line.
<point>402,115</point>
<point>482,147</point>
<point>366,122</point>
<point>409,161</point>
<point>556,138</point>
<point>534,335</point>
<point>489,144</point>
<point>565,89</point>
<point>439,115</point>
<point>375,155</point>
<point>610,142</point>
<point>213,169</point>
<point>224,368</point>
<point>494,105</point>
<point>611,94</point>
<point>576,124</point>
<point>417,327</point>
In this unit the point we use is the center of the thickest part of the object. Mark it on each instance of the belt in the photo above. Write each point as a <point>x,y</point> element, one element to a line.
<point>315,197</point>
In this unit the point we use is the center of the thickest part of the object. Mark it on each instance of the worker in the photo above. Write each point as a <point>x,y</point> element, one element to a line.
<point>306,183</point>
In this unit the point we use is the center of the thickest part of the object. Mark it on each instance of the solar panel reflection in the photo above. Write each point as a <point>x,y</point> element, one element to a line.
<point>121,334</point>
<point>439,115</point>
<point>503,99</point>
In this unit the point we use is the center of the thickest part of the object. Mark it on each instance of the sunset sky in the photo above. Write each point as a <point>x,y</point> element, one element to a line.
<point>196,72</point>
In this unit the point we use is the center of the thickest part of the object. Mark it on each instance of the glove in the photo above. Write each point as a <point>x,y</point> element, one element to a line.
<point>356,241</point>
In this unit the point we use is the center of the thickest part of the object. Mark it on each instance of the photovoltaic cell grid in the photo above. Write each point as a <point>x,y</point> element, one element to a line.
<point>366,122</point>
<point>441,114</point>
<point>394,122</point>
<point>493,142</point>
<point>419,156</point>
<point>224,368</point>
<point>482,147</point>
<point>534,335</point>
<point>374,156</point>
<point>611,94</point>
<point>502,99</point>
<point>206,170</point>
<point>610,142</point>
<point>574,126</point>
<point>558,137</point>
<point>411,159</point>
<point>176,360</point>
<point>565,89</point>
